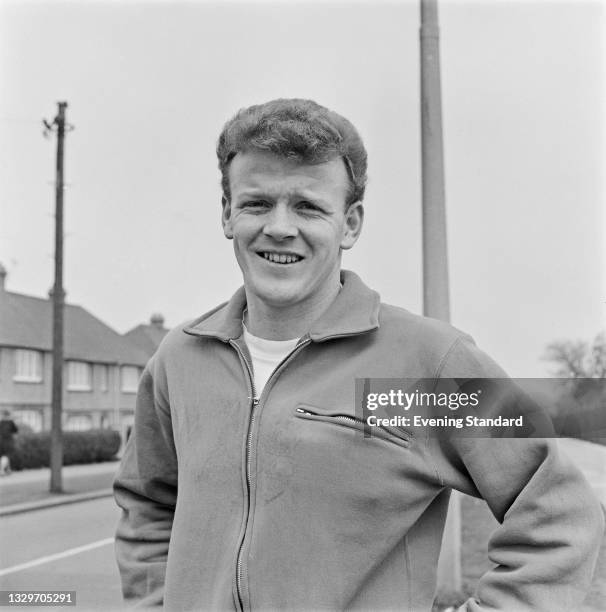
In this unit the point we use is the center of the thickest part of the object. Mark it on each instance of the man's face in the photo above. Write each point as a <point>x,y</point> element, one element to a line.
<point>288,223</point>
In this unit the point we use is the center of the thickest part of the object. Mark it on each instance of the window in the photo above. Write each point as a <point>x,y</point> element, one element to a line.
<point>129,379</point>
<point>103,378</point>
<point>30,418</point>
<point>79,422</point>
<point>28,366</point>
<point>79,376</point>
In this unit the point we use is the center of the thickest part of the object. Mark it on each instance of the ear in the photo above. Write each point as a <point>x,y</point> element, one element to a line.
<point>226,218</point>
<point>354,218</point>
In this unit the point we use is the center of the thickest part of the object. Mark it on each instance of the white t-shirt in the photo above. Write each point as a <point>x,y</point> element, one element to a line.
<point>266,355</point>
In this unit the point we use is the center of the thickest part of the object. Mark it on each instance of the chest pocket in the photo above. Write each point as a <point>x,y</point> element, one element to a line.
<point>341,418</point>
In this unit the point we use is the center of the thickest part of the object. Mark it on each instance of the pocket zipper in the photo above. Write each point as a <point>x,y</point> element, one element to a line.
<point>333,416</point>
<point>403,438</point>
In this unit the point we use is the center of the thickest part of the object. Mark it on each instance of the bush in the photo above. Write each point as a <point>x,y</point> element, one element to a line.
<point>32,450</point>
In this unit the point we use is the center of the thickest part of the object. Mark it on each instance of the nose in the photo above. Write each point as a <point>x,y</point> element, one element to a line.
<point>280,224</point>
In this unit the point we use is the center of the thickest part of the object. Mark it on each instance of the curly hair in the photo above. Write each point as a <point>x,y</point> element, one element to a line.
<point>296,129</point>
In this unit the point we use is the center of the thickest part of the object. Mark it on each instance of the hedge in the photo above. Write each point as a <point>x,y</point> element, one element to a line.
<point>32,450</point>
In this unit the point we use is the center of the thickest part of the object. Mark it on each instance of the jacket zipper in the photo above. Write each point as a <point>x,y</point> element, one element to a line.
<point>254,406</point>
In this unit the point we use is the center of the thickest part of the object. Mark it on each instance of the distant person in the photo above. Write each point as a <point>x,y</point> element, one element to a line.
<point>247,482</point>
<point>8,429</point>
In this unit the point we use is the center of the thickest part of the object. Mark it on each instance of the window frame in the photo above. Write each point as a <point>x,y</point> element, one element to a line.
<point>74,422</point>
<point>78,386</point>
<point>131,389</point>
<point>35,358</point>
<point>31,418</point>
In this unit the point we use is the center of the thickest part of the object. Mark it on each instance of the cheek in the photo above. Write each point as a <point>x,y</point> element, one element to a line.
<point>240,242</point>
<point>330,239</point>
<point>243,231</point>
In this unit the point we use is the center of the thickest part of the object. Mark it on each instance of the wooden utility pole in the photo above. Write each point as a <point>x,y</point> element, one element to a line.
<point>56,451</point>
<point>436,302</point>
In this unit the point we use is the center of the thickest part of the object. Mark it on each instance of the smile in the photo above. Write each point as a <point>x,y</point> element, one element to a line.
<point>280,258</point>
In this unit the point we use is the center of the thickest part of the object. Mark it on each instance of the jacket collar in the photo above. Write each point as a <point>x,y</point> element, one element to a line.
<point>354,311</point>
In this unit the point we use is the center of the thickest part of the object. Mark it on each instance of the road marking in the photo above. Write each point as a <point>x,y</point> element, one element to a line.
<point>61,555</point>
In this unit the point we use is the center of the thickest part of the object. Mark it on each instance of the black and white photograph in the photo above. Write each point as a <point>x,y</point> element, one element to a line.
<point>303,305</point>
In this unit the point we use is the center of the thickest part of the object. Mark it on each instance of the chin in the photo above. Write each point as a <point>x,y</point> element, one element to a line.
<point>278,297</point>
<point>279,300</point>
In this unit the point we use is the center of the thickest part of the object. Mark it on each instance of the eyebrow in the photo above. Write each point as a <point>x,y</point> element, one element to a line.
<point>261,194</point>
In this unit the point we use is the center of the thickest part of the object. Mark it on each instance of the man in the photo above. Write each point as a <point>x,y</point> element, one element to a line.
<point>246,483</point>
<point>8,429</point>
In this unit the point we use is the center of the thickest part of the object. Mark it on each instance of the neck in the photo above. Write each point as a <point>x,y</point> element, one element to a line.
<point>286,322</point>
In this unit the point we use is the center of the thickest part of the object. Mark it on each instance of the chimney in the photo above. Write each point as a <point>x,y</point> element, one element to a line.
<point>2,277</point>
<point>157,320</point>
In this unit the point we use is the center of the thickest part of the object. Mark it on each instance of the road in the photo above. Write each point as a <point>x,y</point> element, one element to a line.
<point>30,556</point>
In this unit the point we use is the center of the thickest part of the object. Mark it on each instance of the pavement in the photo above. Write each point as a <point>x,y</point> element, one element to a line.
<point>28,490</point>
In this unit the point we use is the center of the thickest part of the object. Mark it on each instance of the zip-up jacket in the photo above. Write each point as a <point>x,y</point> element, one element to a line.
<point>278,503</point>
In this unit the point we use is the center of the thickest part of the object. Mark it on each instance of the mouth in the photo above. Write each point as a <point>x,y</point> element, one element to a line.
<point>280,258</point>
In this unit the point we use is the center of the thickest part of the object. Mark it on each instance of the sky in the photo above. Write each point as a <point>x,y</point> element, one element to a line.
<point>150,84</point>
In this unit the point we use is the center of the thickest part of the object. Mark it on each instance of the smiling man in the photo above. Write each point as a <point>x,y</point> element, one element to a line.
<point>289,221</point>
<point>246,483</point>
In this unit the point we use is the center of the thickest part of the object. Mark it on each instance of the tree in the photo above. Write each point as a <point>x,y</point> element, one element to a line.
<point>577,358</point>
<point>578,411</point>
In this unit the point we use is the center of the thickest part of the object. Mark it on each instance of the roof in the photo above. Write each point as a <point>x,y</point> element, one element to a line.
<point>26,322</point>
<point>146,337</point>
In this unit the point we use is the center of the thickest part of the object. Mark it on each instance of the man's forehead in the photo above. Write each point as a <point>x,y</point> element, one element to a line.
<point>260,170</point>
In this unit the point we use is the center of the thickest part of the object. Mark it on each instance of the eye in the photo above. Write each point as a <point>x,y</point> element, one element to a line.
<point>255,205</point>
<point>308,207</point>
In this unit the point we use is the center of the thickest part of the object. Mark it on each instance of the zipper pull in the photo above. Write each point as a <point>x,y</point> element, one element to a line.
<point>255,401</point>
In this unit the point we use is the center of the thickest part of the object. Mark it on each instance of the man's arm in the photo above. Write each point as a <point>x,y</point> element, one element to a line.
<point>551,524</point>
<point>146,490</point>
<point>550,531</point>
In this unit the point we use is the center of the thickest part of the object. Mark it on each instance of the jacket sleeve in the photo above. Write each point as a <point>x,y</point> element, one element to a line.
<point>146,490</point>
<point>551,524</point>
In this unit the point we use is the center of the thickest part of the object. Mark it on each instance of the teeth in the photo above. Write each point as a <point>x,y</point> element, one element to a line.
<point>281,258</point>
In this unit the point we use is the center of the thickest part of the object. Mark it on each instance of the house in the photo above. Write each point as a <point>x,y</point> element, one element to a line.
<point>148,337</point>
<point>102,367</point>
